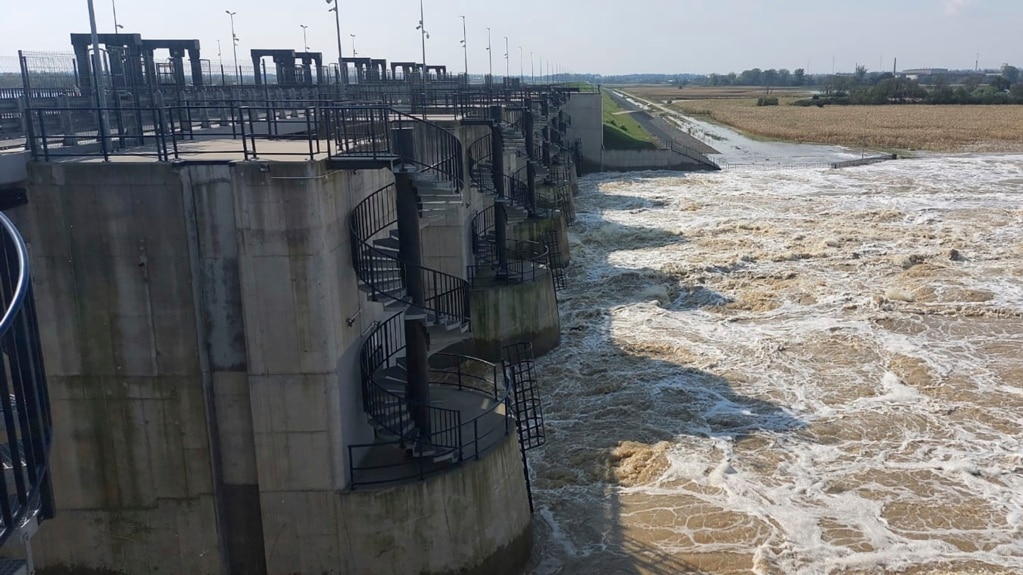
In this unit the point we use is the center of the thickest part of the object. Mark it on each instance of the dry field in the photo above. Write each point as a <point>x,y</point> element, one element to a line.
<point>910,127</point>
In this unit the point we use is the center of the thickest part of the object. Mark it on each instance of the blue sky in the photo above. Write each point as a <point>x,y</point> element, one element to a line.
<point>600,36</point>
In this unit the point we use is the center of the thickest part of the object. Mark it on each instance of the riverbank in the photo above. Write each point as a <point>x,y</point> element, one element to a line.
<point>901,129</point>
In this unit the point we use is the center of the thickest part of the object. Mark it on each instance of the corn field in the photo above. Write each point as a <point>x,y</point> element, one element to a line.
<point>902,127</point>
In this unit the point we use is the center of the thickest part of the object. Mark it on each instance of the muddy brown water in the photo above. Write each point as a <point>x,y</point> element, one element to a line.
<point>791,371</point>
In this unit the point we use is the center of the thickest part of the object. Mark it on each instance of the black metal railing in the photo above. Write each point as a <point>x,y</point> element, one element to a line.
<point>689,152</point>
<point>517,191</point>
<point>25,484</point>
<point>480,163</point>
<point>456,438</point>
<point>386,275</point>
<point>368,131</point>
<point>393,411</point>
<point>527,261</point>
<point>168,133</point>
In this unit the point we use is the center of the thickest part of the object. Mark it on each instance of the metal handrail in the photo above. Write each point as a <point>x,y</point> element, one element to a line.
<point>447,296</point>
<point>27,424</point>
<point>390,410</point>
<point>527,261</point>
<point>480,158</point>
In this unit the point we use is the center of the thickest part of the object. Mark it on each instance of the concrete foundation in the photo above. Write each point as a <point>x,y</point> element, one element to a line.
<point>506,314</point>
<point>474,521</point>
<point>634,160</point>
<point>534,229</point>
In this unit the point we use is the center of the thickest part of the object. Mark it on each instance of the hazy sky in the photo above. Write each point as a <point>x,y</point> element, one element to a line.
<point>599,36</point>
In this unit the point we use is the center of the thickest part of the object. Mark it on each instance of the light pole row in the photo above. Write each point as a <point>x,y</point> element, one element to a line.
<point>424,36</point>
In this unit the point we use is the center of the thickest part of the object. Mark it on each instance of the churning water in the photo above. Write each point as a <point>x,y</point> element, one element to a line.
<point>792,371</point>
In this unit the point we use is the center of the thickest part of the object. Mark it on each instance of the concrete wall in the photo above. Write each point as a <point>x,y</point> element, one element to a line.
<point>634,160</point>
<point>587,126</point>
<point>204,375</point>
<point>473,521</point>
<point>132,466</point>
<point>534,229</point>
<point>506,314</point>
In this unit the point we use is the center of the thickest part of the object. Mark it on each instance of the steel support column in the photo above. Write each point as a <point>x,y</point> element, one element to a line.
<point>410,252</point>
<point>500,214</point>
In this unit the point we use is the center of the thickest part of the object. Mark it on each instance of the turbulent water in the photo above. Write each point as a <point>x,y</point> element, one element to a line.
<point>791,371</point>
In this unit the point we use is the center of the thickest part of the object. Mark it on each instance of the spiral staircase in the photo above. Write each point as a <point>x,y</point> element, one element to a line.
<point>522,260</point>
<point>430,411</point>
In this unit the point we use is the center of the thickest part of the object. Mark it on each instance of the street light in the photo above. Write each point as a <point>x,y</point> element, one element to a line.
<point>423,34</point>
<point>490,53</point>
<point>522,78</point>
<point>234,46</point>
<point>305,41</point>
<point>507,68</point>
<point>113,4</point>
<point>354,51</point>
<point>532,68</point>
<point>465,50</point>
<point>340,58</point>
<point>97,77</point>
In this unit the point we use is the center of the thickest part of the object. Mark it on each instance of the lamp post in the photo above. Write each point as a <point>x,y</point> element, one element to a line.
<point>507,66</point>
<point>305,41</point>
<point>234,46</point>
<point>340,57</point>
<point>465,50</point>
<point>354,51</point>
<point>220,58</point>
<point>423,35</point>
<point>532,68</point>
<point>117,27</point>
<point>490,53</point>
<point>97,77</point>
<point>522,78</point>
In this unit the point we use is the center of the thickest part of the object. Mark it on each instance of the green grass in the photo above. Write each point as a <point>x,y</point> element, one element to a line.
<point>621,131</point>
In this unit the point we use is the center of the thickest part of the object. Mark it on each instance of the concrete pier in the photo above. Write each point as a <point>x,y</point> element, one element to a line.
<point>201,328</point>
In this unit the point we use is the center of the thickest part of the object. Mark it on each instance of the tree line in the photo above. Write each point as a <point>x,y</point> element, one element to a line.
<point>876,88</point>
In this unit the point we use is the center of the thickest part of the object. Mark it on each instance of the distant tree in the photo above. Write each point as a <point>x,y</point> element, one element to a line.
<point>784,77</point>
<point>1016,93</point>
<point>1010,73</point>
<point>732,78</point>
<point>972,83</point>
<point>752,77</point>
<point>799,77</point>
<point>769,78</point>
<point>1000,83</point>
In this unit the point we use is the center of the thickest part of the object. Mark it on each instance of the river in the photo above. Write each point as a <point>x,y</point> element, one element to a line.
<point>789,371</point>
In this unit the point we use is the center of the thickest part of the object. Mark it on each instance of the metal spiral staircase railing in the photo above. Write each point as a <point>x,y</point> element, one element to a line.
<point>26,495</point>
<point>385,276</point>
<point>436,437</point>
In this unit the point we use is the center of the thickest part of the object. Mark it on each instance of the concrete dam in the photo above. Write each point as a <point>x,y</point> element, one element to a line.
<point>288,322</point>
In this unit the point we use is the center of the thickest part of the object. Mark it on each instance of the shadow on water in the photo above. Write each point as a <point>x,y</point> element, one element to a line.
<point>613,406</point>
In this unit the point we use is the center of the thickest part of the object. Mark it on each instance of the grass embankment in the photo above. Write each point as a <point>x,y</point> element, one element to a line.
<point>621,131</point>
<point>895,127</point>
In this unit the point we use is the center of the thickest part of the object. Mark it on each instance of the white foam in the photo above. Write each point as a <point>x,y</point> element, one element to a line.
<point>807,451</point>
